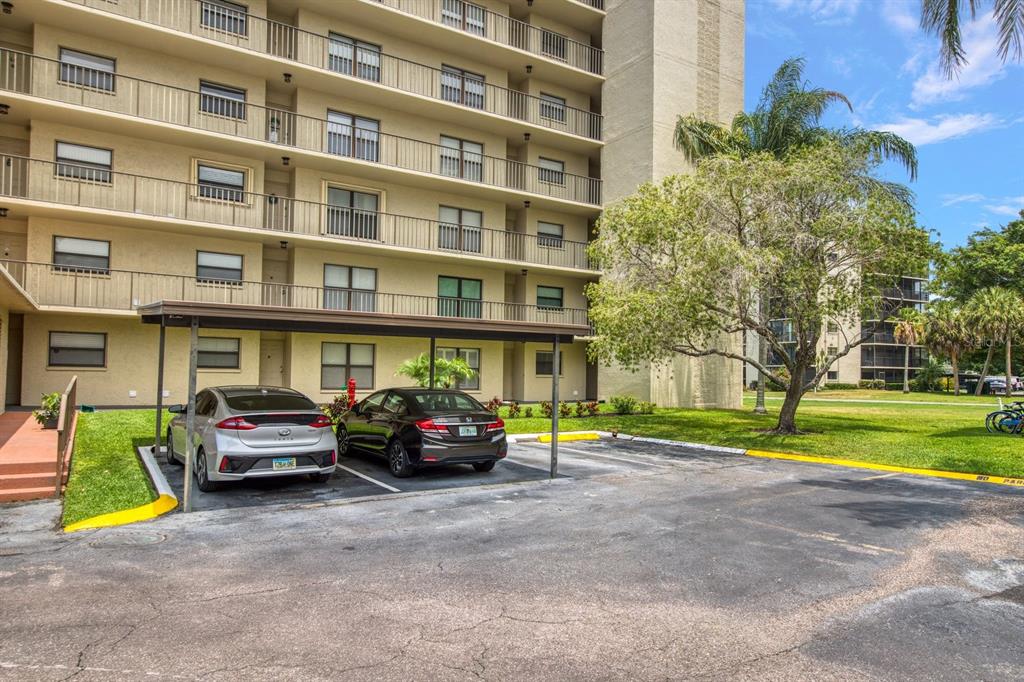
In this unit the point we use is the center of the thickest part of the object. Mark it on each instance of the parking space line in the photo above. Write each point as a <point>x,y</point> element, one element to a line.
<point>872,478</point>
<point>588,453</point>
<point>371,480</point>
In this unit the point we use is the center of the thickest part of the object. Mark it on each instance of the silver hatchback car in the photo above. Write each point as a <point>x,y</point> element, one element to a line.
<point>254,431</point>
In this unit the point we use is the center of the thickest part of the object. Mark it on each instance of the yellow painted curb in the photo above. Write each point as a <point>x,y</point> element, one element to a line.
<point>160,505</point>
<point>937,473</point>
<point>565,437</point>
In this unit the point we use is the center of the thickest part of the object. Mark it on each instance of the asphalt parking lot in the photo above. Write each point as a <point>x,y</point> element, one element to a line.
<point>643,562</point>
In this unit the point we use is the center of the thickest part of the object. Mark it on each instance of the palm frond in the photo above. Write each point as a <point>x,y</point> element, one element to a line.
<point>698,138</point>
<point>887,145</point>
<point>1009,16</point>
<point>942,18</point>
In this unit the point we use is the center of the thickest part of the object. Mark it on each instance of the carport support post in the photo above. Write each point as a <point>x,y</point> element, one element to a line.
<point>555,369</point>
<point>190,416</point>
<point>433,352</point>
<point>160,389</point>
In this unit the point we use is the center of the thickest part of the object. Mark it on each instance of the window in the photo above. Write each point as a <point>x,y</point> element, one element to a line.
<point>459,297</point>
<point>552,107</point>
<point>225,16</point>
<point>832,351</point>
<point>553,44</point>
<point>354,136</point>
<point>349,288</point>
<point>78,349</point>
<point>340,362</point>
<point>221,100</point>
<point>462,87</point>
<point>83,163</point>
<point>87,70</point>
<point>833,375</point>
<point>206,404</point>
<point>551,171</point>
<point>354,57</point>
<point>351,213</point>
<point>544,363</point>
<point>218,267</point>
<point>218,353</point>
<point>472,358</point>
<point>396,404</point>
<point>74,254</point>
<point>550,234</point>
<point>223,184</point>
<point>461,158</point>
<point>242,399</point>
<point>832,327</point>
<point>549,297</point>
<point>464,16</point>
<point>459,229</point>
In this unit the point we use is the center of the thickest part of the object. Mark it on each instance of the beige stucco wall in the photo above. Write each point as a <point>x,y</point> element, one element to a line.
<point>572,384</point>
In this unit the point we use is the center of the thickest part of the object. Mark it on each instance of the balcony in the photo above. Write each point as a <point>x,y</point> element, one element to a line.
<point>137,195</point>
<point>48,79</point>
<point>503,29</point>
<point>283,41</point>
<point>126,290</point>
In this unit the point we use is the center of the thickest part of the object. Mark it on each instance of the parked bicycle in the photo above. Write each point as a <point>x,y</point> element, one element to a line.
<point>1007,419</point>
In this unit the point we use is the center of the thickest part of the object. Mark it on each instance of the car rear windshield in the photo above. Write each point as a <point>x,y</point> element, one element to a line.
<point>263,402</point>
<point>441,401</point>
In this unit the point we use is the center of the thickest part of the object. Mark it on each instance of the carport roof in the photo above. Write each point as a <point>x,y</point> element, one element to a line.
<point>271,318</point>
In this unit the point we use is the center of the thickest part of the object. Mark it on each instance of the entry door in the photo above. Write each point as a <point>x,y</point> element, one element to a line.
<point>272,362</point>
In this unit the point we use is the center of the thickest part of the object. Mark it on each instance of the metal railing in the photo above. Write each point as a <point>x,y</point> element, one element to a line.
<point>65,429</point>
<point>501,28</point>
<point>48,79</point>
<point>56,285</point>
<point>62,183</point>
<point>284,41</point>
<point>596,4</point>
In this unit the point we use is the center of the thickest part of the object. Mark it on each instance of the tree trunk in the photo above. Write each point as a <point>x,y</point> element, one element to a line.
<point>906,369</point>
<point>762,357</point>
<point>1009,370</point>
<point>787,415</point>
<point>984,370</point>
<point>956,374</point>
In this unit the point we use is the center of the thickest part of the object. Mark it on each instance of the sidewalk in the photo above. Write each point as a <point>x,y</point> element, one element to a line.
<point>28,458</point>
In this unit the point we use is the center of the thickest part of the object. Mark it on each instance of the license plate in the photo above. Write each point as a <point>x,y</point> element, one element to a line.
<point>284,463</point>
<point>467,430</point>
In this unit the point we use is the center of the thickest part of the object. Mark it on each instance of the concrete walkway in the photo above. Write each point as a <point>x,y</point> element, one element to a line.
<point>991,406</point>
<point>28,458</point>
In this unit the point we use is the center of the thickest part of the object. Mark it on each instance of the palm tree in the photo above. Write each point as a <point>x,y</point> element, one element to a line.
<point>786,117</point>
<point>998,314</point>
<point>946,333</point>
<point>446,372</point>
<point>942,18</point>
<point>909,331</point>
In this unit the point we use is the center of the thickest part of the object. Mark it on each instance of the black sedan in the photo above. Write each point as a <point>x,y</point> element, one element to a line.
<point>419,427</point>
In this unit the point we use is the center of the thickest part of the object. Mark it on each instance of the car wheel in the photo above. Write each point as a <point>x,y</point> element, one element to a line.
<point>484,466</point>
<point>202,475</point>
<point>398,460</point>
<point>171,459</point>
<point>343,444</point>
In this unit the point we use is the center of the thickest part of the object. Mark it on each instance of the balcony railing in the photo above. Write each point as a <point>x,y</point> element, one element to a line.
<point>51,285</point>
<point>49,79</point>
<point>501,28</point>
<point>46,181</point>
<point>596,4</point>
<point>284,41</point>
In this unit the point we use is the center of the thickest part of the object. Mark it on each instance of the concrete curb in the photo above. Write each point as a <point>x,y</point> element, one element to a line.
<point>165,501</point>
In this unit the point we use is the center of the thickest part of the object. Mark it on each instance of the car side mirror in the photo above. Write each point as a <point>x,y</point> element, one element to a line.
<point>176,409</point>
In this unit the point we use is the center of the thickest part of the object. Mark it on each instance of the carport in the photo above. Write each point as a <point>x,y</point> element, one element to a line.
<point>194,315</point>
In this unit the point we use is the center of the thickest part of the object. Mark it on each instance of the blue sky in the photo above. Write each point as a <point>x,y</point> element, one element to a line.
<point>969,131</point>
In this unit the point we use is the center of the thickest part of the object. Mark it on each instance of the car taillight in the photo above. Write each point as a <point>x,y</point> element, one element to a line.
<point>496,425</point>
<point>235,424</point>
<point>428,426</point>
<point>322,422</point>
<point>225,464</point>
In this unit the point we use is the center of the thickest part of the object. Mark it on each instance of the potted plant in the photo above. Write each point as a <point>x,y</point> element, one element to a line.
<point>49,410</point>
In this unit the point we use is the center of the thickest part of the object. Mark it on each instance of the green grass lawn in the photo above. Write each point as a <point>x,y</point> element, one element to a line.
<point>106,474</point>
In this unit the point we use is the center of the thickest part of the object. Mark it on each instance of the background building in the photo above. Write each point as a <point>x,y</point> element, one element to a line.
<point>434,162</point>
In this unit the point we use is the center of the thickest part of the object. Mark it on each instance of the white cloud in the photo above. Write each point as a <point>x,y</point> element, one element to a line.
<point>1005,209</point>
<point>954,199</point>
<point>922,131</point>
<point>902,15</point>
<point>822,11</point>
<point>984,66</point>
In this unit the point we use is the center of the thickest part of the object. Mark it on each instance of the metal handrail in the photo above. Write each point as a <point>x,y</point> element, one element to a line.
<point>502,29</point>
<point>87,188</point>
<point>291,43</point>
<point>110,289</point>
<point>50,79</point>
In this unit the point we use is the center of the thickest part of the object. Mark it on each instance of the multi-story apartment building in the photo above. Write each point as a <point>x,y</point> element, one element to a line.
<point>881,357</point>
<point>407,171</point>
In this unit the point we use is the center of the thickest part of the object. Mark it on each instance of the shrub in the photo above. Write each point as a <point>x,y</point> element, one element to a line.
<point>513,410</point>
<point>871,383</point>
<point>592,408</point>
<point>493,404</point>
<point>645,407</point>
<point>837,386</point>
<point>49,408</point>
<point>545,408</point>
<point>529,412</point>
<point>336,407</point>
<point>894,386</point>
<point>579,409</point>
<point>623,404</point>
<point>564,409</point>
